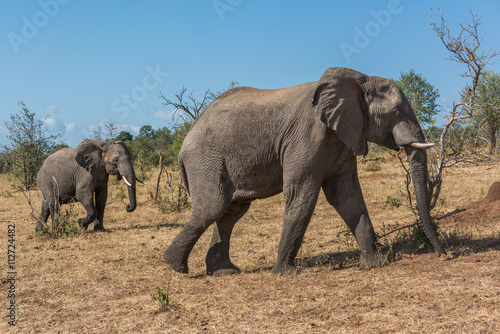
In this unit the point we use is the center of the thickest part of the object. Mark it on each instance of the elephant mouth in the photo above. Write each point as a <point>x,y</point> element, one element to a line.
<point>390,143</point>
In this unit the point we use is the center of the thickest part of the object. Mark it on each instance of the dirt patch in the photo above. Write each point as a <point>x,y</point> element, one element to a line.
<point>486,210</point>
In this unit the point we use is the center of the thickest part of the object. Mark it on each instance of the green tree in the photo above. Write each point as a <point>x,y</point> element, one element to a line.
<point>162,138</point>
<point>488,106</point>
<point>146,131</point>
<point>30,143</point>
<point>421,95</point>
<point>124,136</point>
<point>180,132</point>
<point>58,147</point>
<point>148,143</point>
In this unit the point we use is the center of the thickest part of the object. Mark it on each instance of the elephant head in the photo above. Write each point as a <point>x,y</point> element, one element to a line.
<point>101,159</point>
<point>362,108</point>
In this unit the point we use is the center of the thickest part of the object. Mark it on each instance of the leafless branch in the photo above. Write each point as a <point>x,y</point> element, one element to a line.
<point>188,107</point>
<point>465,48</point>
<point>450,214</point>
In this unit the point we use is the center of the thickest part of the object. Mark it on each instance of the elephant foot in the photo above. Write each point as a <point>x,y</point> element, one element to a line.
<point>222,268</point>
<point>373,260</point>
<point>38,228</point>
<point>175,261</point>
<point>218,261</point>
<point>99,227</point>
<point>83,224</point>
<point>284,269</point>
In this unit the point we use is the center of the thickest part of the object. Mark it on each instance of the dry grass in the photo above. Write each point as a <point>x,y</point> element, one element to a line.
<point>102,282</point>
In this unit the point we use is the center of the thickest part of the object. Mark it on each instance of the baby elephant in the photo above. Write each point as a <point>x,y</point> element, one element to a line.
<point>79,173</point>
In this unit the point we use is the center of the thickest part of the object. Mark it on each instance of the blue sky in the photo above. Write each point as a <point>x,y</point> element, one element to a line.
<point>81,63</point>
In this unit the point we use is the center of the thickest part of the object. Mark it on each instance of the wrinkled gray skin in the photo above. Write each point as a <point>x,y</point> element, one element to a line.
<point>82,174</point>
<point>251,143</point>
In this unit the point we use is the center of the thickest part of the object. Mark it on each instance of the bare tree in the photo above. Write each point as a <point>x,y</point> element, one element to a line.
<point>111,131</point>
<point>188,106</point>
<point>466,49</point>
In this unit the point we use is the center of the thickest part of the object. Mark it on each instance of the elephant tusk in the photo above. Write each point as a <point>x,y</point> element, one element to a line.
<point>125,179</point>
<point>425,146</point>
<point>140,181</point>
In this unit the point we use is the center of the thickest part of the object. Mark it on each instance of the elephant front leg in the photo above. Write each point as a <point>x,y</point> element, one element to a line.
<point>88,204</point>
<point>301,199</point>
<point>344,194</point>
<point>218,261</point>
<point>101,197</point>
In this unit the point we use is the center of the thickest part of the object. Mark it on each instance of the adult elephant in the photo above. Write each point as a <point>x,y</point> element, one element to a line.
<point>81,174</point>
<point>251,143</point>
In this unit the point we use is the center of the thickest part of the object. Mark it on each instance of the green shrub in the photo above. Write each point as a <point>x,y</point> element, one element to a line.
<point>373,166</point>
<point>392,201</point>
<point>176,202</point>
<point>162,297</point>
<point>63,226</point>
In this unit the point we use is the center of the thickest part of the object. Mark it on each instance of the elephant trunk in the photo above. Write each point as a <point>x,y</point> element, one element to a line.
<point>132,198</point>
<point>418,165</point>
<point>128,176</point>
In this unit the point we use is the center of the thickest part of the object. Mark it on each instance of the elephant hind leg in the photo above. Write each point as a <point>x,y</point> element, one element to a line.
<point>218,260</point>
<point>177,253</point>
<point>211,196</point>
<point>44,215</point>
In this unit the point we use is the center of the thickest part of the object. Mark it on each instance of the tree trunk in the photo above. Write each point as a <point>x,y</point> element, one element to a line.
<point>493,141</point>
<point>158,178</point>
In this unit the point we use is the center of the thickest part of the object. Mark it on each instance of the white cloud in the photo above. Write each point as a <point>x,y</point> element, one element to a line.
<point>70,127</point>
<point>95,126</point>
<point>50,122</point>
<point>135,128</point>
<point>128,127</point>
<point>162,114</point>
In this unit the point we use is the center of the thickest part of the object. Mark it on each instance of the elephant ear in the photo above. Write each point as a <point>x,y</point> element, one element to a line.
<point>340,104</point>
<point>89,155</point>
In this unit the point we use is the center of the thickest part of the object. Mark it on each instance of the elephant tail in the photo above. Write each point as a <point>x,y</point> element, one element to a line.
<point>184,176</point>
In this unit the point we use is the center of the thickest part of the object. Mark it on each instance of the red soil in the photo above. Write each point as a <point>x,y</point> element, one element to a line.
<point>486,210</point>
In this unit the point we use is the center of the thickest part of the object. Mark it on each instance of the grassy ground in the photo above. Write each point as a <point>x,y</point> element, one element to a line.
<point>102,282</point>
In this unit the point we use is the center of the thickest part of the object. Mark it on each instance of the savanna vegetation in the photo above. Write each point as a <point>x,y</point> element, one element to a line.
<point>73,281</point>
<point>117,281</point>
